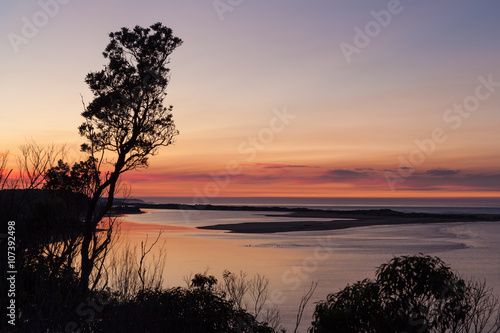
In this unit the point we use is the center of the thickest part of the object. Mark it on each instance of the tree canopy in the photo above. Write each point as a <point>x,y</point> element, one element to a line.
<point>410,294</point>
<point>126,122</point>
<point>79,178</point>
<point>127,115</point>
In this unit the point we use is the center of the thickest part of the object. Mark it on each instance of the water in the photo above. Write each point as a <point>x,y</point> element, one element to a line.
<point>445,205</point>
<point>332,258</point>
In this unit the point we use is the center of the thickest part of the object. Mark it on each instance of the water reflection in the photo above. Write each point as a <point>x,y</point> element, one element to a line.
<point>292,260</point>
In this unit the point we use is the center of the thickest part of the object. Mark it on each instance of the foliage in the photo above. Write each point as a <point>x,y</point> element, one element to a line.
<point>47,293</point>
<point>410,294</point>
<point>81,178</point>
<point>125,123</point>
<point>199,308</point>
<point>127,115</point>
<point>422,292</point>
<point>47,239</point>
<point>357,308</point>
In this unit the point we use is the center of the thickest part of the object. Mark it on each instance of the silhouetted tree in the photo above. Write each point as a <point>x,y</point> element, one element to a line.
<point>410,294</point>
<point>58,177</point>
<point>126,122</point>
<point>32,163</point>
<point>47,239</point>
<point>4,172</point>
<point>80,178</point>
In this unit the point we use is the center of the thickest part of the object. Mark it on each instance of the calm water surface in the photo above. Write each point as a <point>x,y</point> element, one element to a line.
<point>332,258</point>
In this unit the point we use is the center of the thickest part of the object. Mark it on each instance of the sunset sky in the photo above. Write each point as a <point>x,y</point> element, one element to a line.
<point>279,98</point>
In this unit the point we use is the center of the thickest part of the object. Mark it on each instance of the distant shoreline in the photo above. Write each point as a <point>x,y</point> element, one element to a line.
<point>357,218</point>
<point>343,218</point>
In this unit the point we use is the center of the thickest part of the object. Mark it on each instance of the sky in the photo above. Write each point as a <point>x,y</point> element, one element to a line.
<point>279,98</point>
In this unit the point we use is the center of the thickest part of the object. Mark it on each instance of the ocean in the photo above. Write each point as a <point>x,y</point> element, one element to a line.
<point>432,205</point>
<point>292,261</point>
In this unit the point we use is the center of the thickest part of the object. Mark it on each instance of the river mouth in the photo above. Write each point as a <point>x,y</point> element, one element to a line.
<point>292,260</point>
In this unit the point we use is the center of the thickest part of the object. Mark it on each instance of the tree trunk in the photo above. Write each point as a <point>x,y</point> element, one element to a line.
<point>92,219</point>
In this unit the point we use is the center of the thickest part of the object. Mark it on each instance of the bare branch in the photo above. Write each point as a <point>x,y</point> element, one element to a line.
<point>303,302</point>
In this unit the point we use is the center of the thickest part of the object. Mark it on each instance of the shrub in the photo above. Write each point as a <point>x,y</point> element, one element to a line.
<point>199,309</point>
<point>410,294</point>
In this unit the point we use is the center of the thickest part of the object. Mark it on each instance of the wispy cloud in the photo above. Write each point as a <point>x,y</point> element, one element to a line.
<point>277,166</point>
<point>451,180</point>
<point>347,176</point>
<point>295,175</point>
<point>347,173</point>
<point>442,172</point>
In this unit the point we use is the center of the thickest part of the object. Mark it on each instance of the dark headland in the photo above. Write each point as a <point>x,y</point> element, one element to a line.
<point>341,219</point>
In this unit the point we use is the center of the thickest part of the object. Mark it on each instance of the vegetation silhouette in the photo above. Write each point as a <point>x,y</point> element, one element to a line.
<point>410,294</point>
<point>61,211</point>
<point>200,308</point>
<point>126,122</point>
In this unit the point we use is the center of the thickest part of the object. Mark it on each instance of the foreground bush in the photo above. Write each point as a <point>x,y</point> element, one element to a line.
<point>199,309</point>
<point>410,294</point>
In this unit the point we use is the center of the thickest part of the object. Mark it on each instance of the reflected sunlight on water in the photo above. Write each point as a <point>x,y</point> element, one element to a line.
<point>292,260</point>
